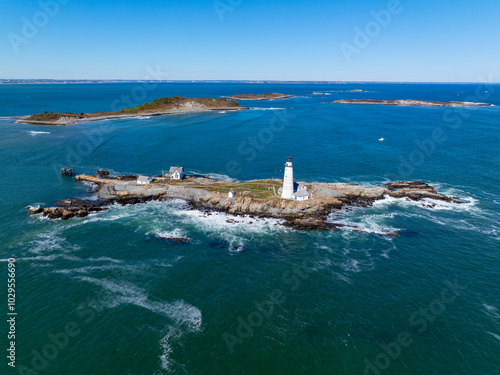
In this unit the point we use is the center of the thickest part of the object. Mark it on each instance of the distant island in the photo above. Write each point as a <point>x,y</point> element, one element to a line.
<point>412,103</point>
<point>267,96</point>
<point>160,106</point>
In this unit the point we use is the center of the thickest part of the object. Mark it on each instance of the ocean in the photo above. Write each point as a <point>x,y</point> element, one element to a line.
<point>103,295</point>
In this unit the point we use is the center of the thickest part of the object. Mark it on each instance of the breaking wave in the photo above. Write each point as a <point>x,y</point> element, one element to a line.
<point>267,109</point>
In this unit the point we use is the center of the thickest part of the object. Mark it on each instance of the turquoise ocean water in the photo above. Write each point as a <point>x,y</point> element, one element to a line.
<point>102,295</point>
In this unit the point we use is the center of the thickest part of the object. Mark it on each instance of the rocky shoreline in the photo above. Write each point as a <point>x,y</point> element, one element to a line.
<point>200,194</point>
<point>158,107</point>
<point>267,96</point>
<point>412,103</point>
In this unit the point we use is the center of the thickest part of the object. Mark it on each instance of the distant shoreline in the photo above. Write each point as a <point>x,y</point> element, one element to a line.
<point>412,103</point>
<point>305,82</point>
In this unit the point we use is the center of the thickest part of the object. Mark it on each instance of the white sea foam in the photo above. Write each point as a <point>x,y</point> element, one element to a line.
<point>105,259</point>
<point>491,311</point>
<point>266,109</point>
<point>364,222</point>
<point>342,277</point>
<point>50,242</point>
<point>185,317</point>
<point>495,335</point>
<point>378,219</point>
<point>427,203</point>
<point>166,219</point>
<point>173,334</point>
<point>109,215</point>
<point>128,269</point>
<point>124,293</point>
<point>219,177</point>
<point>33,133</point>
<point>174,233</point>
<point>49,258</point>
<point>237,231</point>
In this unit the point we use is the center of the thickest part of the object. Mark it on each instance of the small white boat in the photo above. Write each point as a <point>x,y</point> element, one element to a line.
<point>381,139</point>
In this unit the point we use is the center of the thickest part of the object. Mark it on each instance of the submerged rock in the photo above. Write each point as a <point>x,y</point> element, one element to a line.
<point>174,239</point>
<point>311,224</point>
<point>81,213</point>
<point>35,210</point>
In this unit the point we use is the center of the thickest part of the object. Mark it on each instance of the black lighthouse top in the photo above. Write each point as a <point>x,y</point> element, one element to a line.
<point>288,161</point>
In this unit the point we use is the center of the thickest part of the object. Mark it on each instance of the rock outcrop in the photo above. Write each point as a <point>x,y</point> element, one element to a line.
<point>267,96</point>
<point>413,103</point>
<point>308,214</point>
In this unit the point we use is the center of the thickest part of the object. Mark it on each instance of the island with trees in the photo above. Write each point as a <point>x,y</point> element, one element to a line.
<point>160,106</point>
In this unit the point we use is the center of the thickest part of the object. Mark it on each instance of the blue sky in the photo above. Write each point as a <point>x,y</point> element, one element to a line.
<point>423,41</point>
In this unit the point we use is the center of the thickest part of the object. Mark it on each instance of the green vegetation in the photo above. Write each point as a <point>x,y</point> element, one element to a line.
<point>154,104</point>
<point>46,116</point>
<point>255,189</point>
<point>163,102</point>
<point>157,105</point>
<point>52,117</point>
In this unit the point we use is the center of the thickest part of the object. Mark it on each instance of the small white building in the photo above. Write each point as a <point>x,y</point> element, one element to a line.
<point>231,193</point>
<point>301,195</point>
<point>144,180</point>
<point>177,173</point>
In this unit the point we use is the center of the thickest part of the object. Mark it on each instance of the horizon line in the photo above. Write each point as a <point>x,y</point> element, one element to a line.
<point>3,80</point>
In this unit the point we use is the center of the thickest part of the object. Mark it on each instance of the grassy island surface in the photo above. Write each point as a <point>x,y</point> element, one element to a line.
<point>160,106</point>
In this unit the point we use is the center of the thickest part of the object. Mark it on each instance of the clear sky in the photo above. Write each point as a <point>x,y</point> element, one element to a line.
<point>422,40</point>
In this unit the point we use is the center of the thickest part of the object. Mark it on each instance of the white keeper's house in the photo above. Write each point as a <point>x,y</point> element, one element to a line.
<point>144,180</point>
<point>301,194</point>
<point>177,173</point>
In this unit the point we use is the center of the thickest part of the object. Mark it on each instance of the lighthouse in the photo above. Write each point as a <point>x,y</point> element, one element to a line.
<point>287,192</point>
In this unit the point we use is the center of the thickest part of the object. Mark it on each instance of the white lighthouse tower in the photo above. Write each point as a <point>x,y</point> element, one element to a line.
<point>287,192</point>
